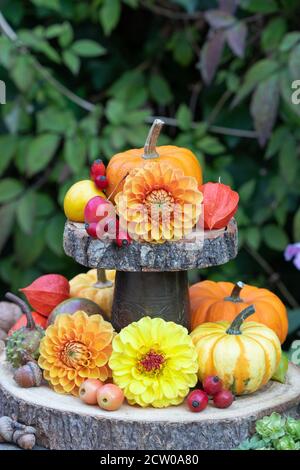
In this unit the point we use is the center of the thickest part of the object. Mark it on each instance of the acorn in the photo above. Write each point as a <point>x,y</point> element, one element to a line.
<point>6,428</point>
<point>29,375</point>
<point>24,439</point>
<point>25,340</point>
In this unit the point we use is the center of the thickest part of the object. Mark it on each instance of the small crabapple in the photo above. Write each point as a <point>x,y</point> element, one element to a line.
<point>88,391</point>
<point>110,397</point>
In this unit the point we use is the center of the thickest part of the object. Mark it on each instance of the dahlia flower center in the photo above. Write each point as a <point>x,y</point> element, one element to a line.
<point>152,362</point>
<point>75,354</point>
<point>159,198</point>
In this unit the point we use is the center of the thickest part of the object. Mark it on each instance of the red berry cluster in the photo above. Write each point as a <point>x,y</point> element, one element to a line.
<point>212,386</point>
<point>98,174</point>
<point>99,214</point>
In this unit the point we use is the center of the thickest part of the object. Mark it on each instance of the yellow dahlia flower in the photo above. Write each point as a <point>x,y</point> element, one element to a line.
<point>154,362</point>
<point>159,203</point>
<point>75,348</point>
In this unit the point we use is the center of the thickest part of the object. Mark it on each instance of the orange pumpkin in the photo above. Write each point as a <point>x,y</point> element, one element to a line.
<point>122,163</point>
<point>216,301</point>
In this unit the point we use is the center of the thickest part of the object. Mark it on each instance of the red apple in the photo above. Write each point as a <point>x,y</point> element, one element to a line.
<point>110,397</point>
<point>88,391</point>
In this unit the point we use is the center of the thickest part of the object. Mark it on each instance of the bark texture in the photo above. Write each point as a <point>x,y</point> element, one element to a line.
<point>217,247</point>
<point>63,422</point>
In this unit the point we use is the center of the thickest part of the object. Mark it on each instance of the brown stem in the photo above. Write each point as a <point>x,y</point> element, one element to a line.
<point>102,281</point>
<point>235,294</point>
<point>235,327</point>
<point>151,141</point>
<point>24,307</point>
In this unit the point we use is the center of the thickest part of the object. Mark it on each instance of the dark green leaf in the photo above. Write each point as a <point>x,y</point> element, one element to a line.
<point>278,136</point>
<point>289,41</point>
<point>109,15</point>
<point>28,248</point>
<point>275,237</point>
<point>26,211</point>
<point>10,188</point>
<point>22,72</point>
<point>40,152</point>
<point>181,46</point>
<point>246,190</point>
<point>294,63</point>
<point>261,70</point>
<point>258,6</point>
<point>273,33</point>
<point>87,48</point>
<point>75,153</point>
<point>7,217</point>
<point>288,160</point>
<point>115,111</point>
<point>72,61</point>
<point>253,237</point>
<point>54,234</point>
<point>184,117</point>
<point>8,145</point>
<point>159,89</point>
<point>211,145</point>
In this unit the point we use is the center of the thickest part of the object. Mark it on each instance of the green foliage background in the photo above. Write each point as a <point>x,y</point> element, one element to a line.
<point>222,78</point>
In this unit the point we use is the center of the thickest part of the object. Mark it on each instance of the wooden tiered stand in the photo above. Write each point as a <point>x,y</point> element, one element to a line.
<point>151,280</point>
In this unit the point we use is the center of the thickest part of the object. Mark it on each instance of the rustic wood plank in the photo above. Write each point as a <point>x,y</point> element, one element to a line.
<point>219,247</point>
<point>64,422</point>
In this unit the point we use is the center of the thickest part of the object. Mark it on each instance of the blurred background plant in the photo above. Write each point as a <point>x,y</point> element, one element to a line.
<point>84,80</point>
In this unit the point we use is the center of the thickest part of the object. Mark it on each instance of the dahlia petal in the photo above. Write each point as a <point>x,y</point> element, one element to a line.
<point>136,388</point>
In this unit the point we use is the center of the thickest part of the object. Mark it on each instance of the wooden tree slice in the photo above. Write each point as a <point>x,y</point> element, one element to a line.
<point>217,247</point>
<point>64,422</point>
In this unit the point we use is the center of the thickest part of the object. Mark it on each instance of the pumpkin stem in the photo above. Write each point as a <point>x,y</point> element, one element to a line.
<point>236,291</point>
<point>102,281</point>
<point>235,326</point>
<point>24,307</point>
<point>151,141</point>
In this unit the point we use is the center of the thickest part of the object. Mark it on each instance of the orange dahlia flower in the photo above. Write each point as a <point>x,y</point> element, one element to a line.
<point>159,203</point>
<point>75,348</point>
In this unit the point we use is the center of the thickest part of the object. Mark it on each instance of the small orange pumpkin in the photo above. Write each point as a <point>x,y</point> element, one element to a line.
<point>122,163</point>
<point>217,301</point>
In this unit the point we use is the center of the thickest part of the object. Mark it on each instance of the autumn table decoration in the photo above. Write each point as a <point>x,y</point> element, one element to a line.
<point>159,202</point>
<point>154,362</point>
<point>75,348</point>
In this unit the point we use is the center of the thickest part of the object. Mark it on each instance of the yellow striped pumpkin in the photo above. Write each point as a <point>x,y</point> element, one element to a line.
<point>243,355</point>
